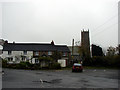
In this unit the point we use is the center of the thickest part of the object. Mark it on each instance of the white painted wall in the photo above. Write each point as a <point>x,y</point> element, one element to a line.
<point>5,54</point>
<point>33,61</point>
<point>17,54</point>
<point>30,54</point>
<point>62,62</point>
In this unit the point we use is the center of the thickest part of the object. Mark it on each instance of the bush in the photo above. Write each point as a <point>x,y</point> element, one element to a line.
<point>18,66</point>
<point>97,61</point>
<point>45,58</point>
<point>36,67</point>
<point>22,65</point>
<point>4,63</point>
<point>55,66</point>
<point>87,61</point>
<point>106,61</point>
<point>116,61</point>
<point>28,65</point>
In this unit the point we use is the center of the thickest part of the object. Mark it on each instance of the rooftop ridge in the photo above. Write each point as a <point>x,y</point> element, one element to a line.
<point>33,44</point>
<point>29,43</point>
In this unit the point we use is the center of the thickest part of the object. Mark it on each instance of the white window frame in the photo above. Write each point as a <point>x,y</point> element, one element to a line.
<point>64,54</point>
<point>36,53</point>
<point>23,58</point>
<point>49,53</point>
<point>9,52</point>
<point>25,52</point>
<point>10,59</point>
<point>36,60</point>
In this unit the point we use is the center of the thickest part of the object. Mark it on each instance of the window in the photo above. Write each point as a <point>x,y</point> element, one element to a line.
<point>36,60</point>
<point>49,53</point>
<point>25,52</point>
<point>9,52</point>
<point>64,54</point>
<point>36,53</point>
<point>23,58</point>
<point>10,58</point>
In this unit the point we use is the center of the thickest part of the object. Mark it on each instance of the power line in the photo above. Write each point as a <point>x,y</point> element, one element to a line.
<point>104,30</point>
<point>105,22</point>
<point>116,15</point>
<point>98,34</point>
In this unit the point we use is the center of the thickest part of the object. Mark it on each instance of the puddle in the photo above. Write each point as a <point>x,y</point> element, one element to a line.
<point>113,76</point>
<point>96,76</point>
<point>86,84</point>
<point>49,75</point>
<point>110,77</point>
<point>51,81</point>
<point>39,73</point>
<point>83,81</point>
<point>56,80</point>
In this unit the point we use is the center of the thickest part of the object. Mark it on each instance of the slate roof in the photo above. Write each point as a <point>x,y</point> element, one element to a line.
<point>34,47</point>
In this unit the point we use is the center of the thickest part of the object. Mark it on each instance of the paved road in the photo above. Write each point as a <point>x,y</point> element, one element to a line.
<point>89,78</point>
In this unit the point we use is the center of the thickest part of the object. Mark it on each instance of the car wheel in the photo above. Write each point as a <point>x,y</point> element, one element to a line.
<point>81,70</point>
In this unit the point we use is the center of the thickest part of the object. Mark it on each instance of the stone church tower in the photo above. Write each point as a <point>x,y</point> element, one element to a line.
<point>85,42</point>
<point>119,26</point>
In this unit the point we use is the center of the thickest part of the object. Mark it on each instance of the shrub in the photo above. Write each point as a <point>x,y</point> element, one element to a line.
<point>106,61</point>
<point>87,61</point>
<point>45,58</point>
<point>18,66</point>
<point>22,65</point>
<point>116,61</point>
<point>36,67</point>
<point>55,66</point>
<point>4,63</point>
<point>28,64</point>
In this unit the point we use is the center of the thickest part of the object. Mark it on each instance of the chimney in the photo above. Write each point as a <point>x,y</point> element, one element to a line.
<point>6,42</point>
<point>52,43</point>
<point>119,49</point>
<point>83,30</point>
<point>2,42</point>
<point>72,46</point>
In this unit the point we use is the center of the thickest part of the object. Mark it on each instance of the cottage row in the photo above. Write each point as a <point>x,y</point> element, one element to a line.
<point>16,52</point>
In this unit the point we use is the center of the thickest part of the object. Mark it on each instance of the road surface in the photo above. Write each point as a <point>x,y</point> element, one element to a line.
<point>89,78</point>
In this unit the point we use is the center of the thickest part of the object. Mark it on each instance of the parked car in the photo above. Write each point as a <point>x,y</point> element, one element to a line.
<point>77,67</point>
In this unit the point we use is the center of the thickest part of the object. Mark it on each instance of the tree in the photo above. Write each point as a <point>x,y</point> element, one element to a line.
<point>118,49</point>
<point>4,63</point>
<point>85,55</point>
<point>96,50</point>
<point>111,51</point>
<point>56,55</point>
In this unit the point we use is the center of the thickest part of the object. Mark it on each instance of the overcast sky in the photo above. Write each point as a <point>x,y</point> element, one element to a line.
<point>60,21</point>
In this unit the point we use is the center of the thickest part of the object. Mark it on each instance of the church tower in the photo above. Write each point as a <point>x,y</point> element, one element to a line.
<point>85,42</point>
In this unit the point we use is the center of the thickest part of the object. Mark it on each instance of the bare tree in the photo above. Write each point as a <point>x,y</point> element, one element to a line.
<point>111,51</point>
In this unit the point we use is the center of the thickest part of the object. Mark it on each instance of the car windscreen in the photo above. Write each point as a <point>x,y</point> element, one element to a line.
<point>77,65</point>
